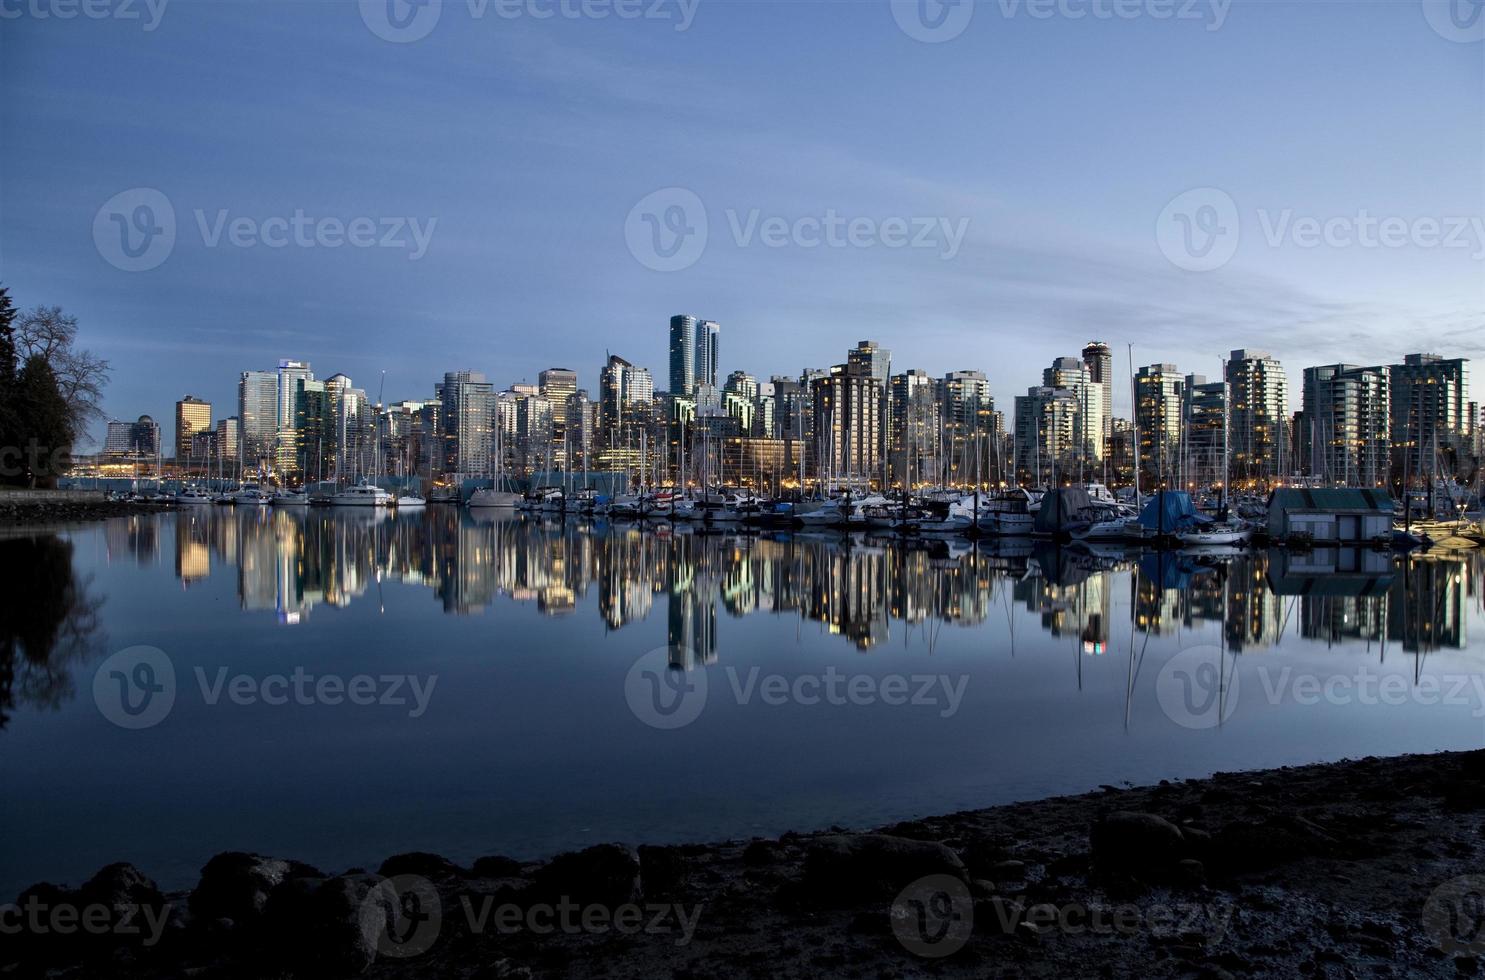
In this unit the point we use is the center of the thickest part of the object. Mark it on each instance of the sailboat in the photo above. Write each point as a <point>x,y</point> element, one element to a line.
<point>493,496</point>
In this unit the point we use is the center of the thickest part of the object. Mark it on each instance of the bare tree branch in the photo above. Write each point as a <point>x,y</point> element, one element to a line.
<point>81,375</point>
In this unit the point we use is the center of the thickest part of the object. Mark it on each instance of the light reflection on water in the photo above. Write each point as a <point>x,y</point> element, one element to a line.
<point>1071,669</point>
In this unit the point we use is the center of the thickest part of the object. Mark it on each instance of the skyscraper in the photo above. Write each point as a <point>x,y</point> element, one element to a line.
<point>848,416</point>
<point>1158,396</point>
<point>557,385</point>
<point>286,441</point>
<point>192,415</point>
<point>1345,431</point>
<point>968,418</point>
<point>1046,423</point>
<point>1101,370</point>
<point>1429,398</point>
<point>693,353</point>
<point>915,429</point>
<point>1258,414</point>
<point>1204,415</point>
<point>258,409</point>
<point>1088,436</point>
<point>468,416</point>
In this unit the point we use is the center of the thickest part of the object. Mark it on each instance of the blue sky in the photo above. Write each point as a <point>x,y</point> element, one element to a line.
<point>1054,143</point>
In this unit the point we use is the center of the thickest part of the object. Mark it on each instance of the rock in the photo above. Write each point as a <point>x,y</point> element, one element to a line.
<point>236,886</point>
<point>605,874</point>
<point>1138,843</point>
<point>1191,872</point>
<point>759,853</point>
<point>854,869</point>
<point>422,864</point>
<point>28,946</point>
<point>982,887</point>
<point>332,926</point>
<point>1009,871</point>
<point>661,868</point>
<point>125,891</point>
<point>496,866</point>
<point>1244,846</point>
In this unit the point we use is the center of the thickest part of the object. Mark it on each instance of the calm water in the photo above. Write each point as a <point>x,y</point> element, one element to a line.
<point>529,687</point>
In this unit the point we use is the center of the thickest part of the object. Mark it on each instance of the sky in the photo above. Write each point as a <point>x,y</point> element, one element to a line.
<point>510,185</point>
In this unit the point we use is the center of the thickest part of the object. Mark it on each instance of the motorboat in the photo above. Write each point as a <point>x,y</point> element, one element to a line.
<point>409,501</point>
<point>495,497</point>
<point>362,494</point>
<point>831,513</point>
<point>252,495</point>
<point>1005,513</point>
<point>290,498</point>
<point>1221,532</point>
<point>192,495</point>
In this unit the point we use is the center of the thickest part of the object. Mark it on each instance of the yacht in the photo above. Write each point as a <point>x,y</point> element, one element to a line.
<point>252,495</point>
<point>1224,532</point>
<point>192,495</point>
<point>831,513</point>
<point>290,498</point>
<point>1006,513</point>
<point>409,501</point>
<point>362,494</point>
<point>493,497</point>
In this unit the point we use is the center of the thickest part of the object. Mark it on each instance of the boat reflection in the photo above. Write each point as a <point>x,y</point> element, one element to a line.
<point>857,586</point>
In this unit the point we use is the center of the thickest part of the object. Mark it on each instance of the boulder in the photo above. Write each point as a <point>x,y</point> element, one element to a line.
<point>422,864</point>
<point>605,874</point>
<point>1140,844</point>
<point>336,927</point>
<point>854,869</point>
<point>496,866</point>
<point>236,886</point>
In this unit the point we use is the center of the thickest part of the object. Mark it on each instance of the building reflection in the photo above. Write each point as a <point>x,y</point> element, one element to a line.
<point>858,587</point>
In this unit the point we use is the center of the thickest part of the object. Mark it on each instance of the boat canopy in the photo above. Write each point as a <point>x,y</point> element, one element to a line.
<point>1170,511</point>
<point>1060,508</point>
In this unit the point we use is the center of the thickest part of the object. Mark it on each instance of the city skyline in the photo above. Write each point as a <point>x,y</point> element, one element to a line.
<point>523,268</point>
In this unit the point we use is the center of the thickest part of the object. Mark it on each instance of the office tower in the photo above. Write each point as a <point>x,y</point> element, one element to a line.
<point>1204,421</point>
<point>1101,370</point>
<point>1046,434</point>
<point>192,415</point>
<point>1258,415</point>
<point>224,443</point>
<point>1158,396</point>
<point>146,436</point>
<point>535,422</point>
<point>870,359</point>
<point>1073,374</point>
<point>969,422</point>
<point>578,417</point>
<point>1429,398</point>
<point>258,404</point>
<point>314,429</point>
<point>119,439</point>
<point>741,383</point>
<point>622,389</point>
<point>693,353</point>
<point>468,417</point>
<point>1345,431</point>
<point>557,385</point>
<point>290,374</point>
<point>915,430</point>
<point>848,418</point>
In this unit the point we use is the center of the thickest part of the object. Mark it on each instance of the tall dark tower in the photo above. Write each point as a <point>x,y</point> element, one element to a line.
<point>1100,363</point>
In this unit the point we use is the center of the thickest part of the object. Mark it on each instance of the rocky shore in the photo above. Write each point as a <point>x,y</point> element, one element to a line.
<point>18,511</point>
<point>1359,868</point>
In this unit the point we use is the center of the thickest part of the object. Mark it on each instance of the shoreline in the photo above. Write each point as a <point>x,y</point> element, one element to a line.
<point>1327,869</point>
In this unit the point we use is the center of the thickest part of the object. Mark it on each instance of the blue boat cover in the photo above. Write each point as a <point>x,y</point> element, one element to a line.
<point>1170,511</point>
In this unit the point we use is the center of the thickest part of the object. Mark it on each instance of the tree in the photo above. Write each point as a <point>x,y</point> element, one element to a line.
<point>7,370</point>
<point>80,375</point>
<point>44,427</point>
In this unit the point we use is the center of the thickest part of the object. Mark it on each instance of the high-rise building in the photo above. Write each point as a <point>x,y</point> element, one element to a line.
<point>557,385</point>
<point>1046,427</point>
<point>192,415</point>
<point>467,413</point>
<point>1158,397</point>
<point>286,441</point>
<point>1345,425</point>
<point>1204,418</point>
<point>1429,398</point>
<point>119,439</point>
<point>1258,415</point>
<point>1073,374</point>
<point>915,413</point>
<point>224,444</point>
<point>1100,363</point>
<point>693,353</point>
<point>146,436</point>
<point>967,414</point>
<point>848,416</point>
<point>258,409</point>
